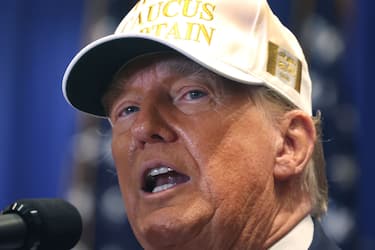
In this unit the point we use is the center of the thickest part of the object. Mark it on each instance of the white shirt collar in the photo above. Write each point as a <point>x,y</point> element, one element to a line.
<point>300,237</point>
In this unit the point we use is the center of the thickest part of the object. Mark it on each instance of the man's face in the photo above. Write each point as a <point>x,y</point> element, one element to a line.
<point>194,156</point>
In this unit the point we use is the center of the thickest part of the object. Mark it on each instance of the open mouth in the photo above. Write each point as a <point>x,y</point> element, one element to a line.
<point>162,178</point>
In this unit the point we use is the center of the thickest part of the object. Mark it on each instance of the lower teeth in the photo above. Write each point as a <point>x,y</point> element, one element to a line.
<point>163,187</point>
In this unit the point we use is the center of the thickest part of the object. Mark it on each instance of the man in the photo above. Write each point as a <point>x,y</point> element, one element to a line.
<point>213,136</point>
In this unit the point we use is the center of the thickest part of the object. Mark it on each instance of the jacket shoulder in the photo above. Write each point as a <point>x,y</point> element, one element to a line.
<point>320,240</point>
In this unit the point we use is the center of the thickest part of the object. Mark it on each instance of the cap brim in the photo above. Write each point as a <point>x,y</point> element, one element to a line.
<point>92,69</point>
<point>88,75</point>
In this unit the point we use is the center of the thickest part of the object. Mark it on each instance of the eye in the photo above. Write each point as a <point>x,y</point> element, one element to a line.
<point>193,98</point>
<point>194,94</point>
<point>128,111</point>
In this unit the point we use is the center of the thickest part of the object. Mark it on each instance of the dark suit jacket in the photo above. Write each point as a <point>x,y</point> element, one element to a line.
<point>320,240</point>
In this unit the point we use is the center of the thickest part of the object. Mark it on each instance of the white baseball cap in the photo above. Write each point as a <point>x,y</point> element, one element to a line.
<point>241,40</point>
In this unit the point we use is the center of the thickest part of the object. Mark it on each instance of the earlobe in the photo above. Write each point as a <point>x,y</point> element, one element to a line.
<point>295,145</point>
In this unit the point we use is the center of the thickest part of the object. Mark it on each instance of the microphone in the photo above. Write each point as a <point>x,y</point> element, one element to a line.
<point>40,224</point>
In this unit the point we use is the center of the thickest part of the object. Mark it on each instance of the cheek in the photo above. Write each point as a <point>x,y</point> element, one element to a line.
<point>120,153</point>
<point>241,166</point>
<point>130,200</point>
<point>122,150</point>
<point>201,137</point>
<point>127,182</point>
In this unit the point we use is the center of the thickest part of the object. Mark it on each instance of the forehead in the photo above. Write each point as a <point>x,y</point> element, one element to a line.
<point>163,63</point>
<point>168,67</point>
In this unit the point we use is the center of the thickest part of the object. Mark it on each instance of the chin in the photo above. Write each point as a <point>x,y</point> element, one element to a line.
<point>171,228</point>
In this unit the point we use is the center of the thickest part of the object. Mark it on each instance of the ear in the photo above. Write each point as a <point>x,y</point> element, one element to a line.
<point>296,144</point>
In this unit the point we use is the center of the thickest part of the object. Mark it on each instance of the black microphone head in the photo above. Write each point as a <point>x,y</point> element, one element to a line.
<point>51,223</point>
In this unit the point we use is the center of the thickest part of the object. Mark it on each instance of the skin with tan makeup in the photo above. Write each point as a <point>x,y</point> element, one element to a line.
<point>229,165</point>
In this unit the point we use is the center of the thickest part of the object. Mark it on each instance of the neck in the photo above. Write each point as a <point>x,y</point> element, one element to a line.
<point>290,211</point>
<point>287,218</point>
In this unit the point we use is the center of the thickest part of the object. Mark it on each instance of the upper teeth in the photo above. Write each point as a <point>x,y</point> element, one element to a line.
<point>160,170</point>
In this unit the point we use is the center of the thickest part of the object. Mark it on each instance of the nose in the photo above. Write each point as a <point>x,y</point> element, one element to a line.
<point>151,127</point>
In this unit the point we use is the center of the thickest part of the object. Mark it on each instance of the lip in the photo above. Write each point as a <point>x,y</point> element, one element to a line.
<point>165,195</point>
<point>146,166</point>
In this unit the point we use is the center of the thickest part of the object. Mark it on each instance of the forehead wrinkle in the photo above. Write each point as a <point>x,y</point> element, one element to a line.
<point>194,72</point>
<point>138,78</point>
<point>170,69</point>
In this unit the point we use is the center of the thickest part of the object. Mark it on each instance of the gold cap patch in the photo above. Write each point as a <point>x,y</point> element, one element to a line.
<point>284,66</point>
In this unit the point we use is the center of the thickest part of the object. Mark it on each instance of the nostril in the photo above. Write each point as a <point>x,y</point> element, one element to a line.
<point>157,137</point>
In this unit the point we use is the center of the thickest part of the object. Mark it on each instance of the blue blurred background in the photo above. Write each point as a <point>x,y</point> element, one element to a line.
<point>49,150</point>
